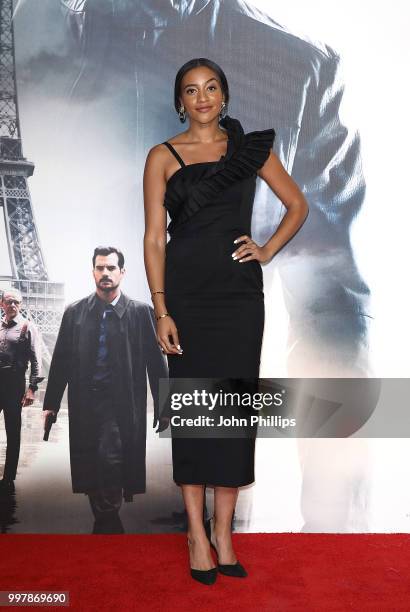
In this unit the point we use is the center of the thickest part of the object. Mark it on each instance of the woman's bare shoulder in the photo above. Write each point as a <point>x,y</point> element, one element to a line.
<point>160,152</point>
<point>157,151</point>
<point>157,157</point>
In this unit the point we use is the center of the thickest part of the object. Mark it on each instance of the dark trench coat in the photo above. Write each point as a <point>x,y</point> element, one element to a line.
<point>134,351</point>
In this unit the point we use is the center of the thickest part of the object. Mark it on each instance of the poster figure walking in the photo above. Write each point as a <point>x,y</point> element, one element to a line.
<point>105,348</point>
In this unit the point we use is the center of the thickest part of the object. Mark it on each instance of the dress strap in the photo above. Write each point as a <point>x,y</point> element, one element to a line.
<point>171,148</point>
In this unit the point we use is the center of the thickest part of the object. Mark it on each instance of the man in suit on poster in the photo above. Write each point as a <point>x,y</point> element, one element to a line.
<point>105,348</point>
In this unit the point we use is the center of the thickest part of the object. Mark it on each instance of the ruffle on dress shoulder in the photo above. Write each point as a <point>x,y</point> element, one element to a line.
<point>246,154</point>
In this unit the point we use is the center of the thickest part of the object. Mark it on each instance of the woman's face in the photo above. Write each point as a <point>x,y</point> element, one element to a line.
<point>201,94</point>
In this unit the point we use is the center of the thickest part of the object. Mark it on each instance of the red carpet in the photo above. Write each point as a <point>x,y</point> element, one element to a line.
<point>301,572</point>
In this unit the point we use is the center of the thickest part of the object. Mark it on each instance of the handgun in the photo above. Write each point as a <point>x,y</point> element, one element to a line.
<point>50,419</point>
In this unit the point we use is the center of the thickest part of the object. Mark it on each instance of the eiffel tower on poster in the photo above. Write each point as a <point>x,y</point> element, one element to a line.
<point>22,262</point>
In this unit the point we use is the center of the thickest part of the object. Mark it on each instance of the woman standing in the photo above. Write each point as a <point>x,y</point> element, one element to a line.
<point>207,284</point>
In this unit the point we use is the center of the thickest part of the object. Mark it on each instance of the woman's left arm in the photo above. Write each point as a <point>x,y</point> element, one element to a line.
<point>296,206</point>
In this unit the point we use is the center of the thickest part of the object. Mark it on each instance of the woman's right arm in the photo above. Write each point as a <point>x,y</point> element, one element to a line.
<point>155,238</point>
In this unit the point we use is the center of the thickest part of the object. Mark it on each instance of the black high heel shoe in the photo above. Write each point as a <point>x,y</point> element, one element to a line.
<point>207,577</point>
<point>234,570</point>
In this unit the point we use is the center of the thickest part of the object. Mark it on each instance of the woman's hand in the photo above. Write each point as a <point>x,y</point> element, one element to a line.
<point>250,251</point>
<point>166,328</point>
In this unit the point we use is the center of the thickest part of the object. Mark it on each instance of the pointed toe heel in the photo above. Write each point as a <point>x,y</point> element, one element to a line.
<point>207,577</point>
<point>235,570</point>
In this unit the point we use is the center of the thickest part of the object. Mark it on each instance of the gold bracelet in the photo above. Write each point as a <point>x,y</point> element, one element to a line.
<point>166,314</point>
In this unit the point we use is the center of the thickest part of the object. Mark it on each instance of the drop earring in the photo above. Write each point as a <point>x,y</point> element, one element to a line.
<point>223,111</point>
<point>182,114</point>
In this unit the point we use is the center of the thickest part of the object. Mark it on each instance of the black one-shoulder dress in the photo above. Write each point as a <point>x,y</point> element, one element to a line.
<point>217,303</point>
